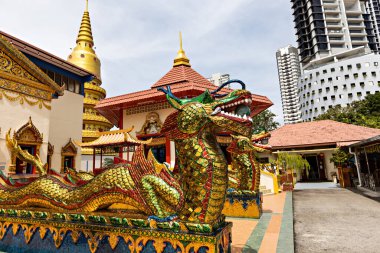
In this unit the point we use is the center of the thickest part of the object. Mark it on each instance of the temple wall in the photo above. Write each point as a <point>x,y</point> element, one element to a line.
<point>66,122</point>
<point>13,116</point>
<point>137,120</point>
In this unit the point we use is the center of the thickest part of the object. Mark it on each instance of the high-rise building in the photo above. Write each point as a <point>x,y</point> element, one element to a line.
<point>84,56</point>
<point>288,73</point>
<point>338,52</point>
<point>373,9</point>
<point>328,27</point>
<point>218,78</point>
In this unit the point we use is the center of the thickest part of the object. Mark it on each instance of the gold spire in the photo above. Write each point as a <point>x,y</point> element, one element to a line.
<point>181,58</point>
<point>83,54</point>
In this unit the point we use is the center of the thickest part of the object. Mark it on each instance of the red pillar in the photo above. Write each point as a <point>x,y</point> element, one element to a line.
<point>167,150</point>
<point>121,127</point>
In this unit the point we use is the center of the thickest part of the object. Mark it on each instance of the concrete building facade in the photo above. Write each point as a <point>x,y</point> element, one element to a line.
<point>289,71</point>
<point>327,27</point>
<point>217,78</point>
<point>338,81</point>
<point>373,9</point>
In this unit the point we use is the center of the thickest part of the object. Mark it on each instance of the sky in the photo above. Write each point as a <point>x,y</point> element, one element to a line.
<point>137,41</point>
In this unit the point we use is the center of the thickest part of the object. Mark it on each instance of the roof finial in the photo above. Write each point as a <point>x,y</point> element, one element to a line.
<point>180,41</point>
<point>181,58</point>
<point>87,5</point>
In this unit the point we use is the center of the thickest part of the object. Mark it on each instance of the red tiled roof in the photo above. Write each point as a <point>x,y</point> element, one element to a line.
<point>319,133</point>
<point>183,81</point>
<point>182,74</point>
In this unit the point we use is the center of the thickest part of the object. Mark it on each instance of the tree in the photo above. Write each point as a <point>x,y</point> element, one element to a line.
<point>363,113</point>
<point>294,162</point>
<point>264,121</point>
<point>339,157</point>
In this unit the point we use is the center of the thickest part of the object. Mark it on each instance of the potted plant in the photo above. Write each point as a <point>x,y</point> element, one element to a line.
<point>340,159</point>
<point>291,164</point>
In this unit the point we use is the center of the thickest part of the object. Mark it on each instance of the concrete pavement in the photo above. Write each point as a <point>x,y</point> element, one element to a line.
<point>335,220</point>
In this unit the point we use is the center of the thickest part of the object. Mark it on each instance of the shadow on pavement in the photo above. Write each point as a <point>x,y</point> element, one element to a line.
<point>243,249</point>
<point>366,193</point>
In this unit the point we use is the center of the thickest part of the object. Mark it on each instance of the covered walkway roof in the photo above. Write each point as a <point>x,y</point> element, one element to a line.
<point>115,138</point>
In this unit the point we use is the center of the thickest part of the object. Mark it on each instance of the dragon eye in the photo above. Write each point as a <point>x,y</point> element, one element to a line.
<point>242,110</point>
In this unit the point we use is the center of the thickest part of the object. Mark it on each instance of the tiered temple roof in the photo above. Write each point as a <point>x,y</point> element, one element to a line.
<point>184,82</point>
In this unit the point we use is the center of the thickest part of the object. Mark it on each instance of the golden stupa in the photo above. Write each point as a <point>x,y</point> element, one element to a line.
<point>84,56</point>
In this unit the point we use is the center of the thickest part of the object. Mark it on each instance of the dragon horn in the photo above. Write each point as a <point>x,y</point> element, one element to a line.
<point>173,100</point>
<point>225,84</point>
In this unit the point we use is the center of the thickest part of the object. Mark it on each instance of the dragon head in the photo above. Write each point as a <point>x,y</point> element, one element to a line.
<point>229,112</point>
<point>240,144</point>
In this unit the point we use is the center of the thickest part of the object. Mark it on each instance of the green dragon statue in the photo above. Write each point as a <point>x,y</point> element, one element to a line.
<point>244,163</point>
<point>148,187</point>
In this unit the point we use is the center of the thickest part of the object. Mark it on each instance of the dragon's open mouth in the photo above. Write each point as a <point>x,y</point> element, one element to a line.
<point>237,110</point>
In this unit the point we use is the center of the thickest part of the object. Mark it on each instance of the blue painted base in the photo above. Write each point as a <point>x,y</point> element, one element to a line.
<point>99,239</point>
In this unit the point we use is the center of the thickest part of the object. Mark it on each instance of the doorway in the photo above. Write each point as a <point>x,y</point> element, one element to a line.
<point>314,174</point>
<point>24,167</point>
<point>68,162</point>
<point>159,152</point>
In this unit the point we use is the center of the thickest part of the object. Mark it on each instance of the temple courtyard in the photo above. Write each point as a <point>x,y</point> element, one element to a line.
<point>326,218</point>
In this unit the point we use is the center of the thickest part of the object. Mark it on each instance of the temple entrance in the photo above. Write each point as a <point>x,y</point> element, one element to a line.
<point>159,152</point>
<point>24,167</point>
<point>69,152</point>
<point>29,139</point>
<point>314,169</point>
<point>317,168</point>
<point>68,163</point>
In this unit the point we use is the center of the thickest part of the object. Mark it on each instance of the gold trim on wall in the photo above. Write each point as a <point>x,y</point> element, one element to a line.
<point>28,134</point>
<point>21,98</point>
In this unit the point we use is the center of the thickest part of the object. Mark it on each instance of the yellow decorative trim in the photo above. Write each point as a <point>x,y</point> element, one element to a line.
<point>98,118</point>
<point>93,87</point>
<point>90,134</point>
<point>27,65</point>
<point>26,89</point>
<point>21,98</point>
<point>89,101</point>
<point>157,141</point>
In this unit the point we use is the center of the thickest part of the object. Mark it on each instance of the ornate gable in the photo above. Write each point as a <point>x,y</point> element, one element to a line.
<point>19,75</point>
<point>10,66</point>
<point>28,133</point>
<point>69,149</point>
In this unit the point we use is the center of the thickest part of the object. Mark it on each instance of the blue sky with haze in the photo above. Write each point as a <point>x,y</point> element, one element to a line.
<point>138,40</point>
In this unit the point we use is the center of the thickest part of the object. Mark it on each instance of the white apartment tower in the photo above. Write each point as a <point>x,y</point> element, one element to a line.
<point>338,52</point>
<point>288,66</point>
<point>218,79</point>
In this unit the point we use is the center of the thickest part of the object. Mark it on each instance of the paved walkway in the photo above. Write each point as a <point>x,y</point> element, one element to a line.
<point>273,232</point>
<point>335,220</point>
<point>318,185</point>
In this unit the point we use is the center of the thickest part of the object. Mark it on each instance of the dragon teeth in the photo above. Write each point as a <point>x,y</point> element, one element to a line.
<point>216,111</point>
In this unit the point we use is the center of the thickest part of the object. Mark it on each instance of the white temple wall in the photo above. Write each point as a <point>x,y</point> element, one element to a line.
<point>66,122</point>
<point>13,116</point>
